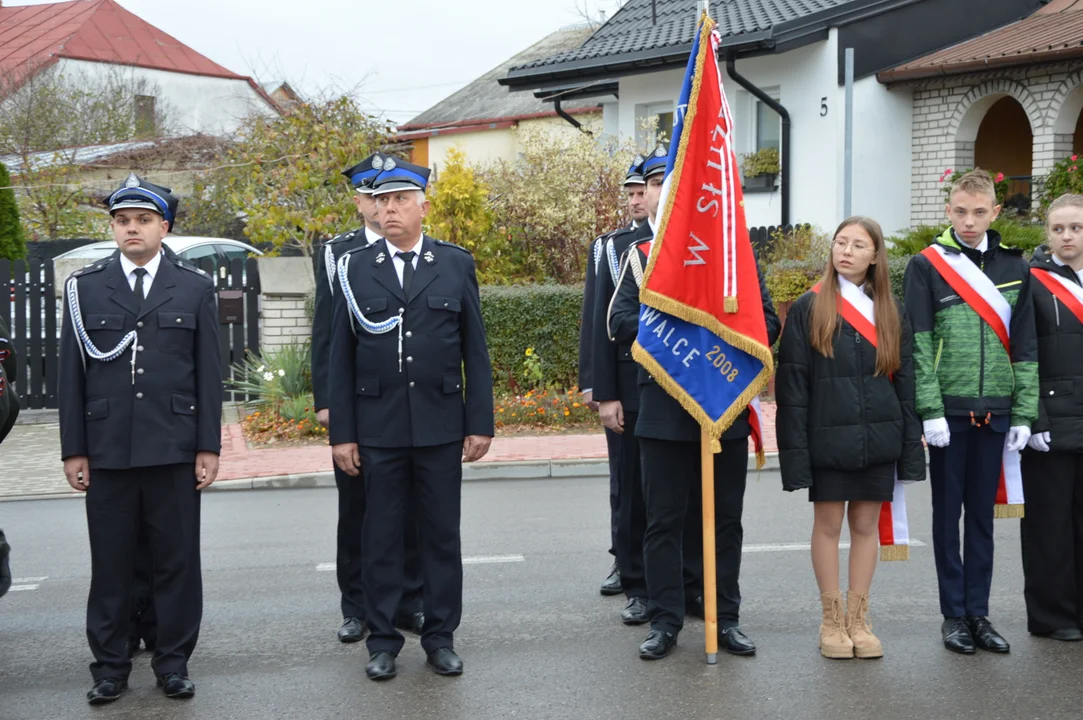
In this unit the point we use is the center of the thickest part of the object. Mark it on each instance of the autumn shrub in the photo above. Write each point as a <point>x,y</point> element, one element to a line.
<point>545,408</point>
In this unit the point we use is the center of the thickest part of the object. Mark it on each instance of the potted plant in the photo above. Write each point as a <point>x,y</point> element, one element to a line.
<point>761,168</point>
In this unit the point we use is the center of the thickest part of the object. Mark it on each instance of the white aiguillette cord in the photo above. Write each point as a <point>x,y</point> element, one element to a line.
<point>379,328</point>
<point>86,345</point>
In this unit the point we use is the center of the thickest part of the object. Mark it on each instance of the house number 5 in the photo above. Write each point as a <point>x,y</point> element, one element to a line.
<point>823,107</point>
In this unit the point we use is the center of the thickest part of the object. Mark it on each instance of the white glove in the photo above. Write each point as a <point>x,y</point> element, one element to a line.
<point>936,432</point>
<point>1017,438</point>
<point>1039,441</point>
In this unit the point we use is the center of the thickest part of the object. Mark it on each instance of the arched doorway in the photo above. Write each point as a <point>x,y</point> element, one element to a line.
<point>1005,144</point>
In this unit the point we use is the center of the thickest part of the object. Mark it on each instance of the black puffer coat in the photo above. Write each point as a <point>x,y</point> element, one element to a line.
<point>836,414</point>
<point>1060,362</point>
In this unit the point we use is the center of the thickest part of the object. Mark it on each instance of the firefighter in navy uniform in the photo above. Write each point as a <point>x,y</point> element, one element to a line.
<point>351,490</point>
<point>669,439</point>
<point>140,432</point>
<point>596,262</point>
<point>413,399</point>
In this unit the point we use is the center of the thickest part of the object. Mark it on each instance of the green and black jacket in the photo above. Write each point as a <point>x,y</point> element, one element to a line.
<point>960,366</point>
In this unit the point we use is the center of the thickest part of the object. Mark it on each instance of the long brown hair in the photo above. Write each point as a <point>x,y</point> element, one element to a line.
<point>824,317</point>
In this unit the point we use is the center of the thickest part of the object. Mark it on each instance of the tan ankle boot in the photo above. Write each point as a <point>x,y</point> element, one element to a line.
<point>834,642</point>
<point>866,645</point>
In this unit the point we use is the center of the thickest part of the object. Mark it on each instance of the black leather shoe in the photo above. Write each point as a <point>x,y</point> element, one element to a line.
<point>736,642</point>
<point>612,585</point>
<point>693,607</point>
<point>957,637</point>
<point>106,690</point>
<point>352,630</point>
<point>985,636</point>
<point>657,645</point>
<point>1066,635</point>
<point>381,666</point>
<point>411,622</point>
<point>176,686</point>
<point>444,661</point>
<point>635,612</point>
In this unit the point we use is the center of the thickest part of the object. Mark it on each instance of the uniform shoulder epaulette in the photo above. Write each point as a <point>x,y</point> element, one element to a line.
<point>93,267</point>
<point>342,237</point>
<point>185,265</point>
<point>641,241</point>
<point>453,245</point>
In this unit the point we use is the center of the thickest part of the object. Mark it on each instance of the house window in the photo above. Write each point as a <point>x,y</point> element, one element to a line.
<point>768,124</point>
<point>654,124</point>
<point>145,125</point>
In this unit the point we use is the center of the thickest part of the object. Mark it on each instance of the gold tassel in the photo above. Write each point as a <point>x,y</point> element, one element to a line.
<point>716,445</point>
<point>730,305</point>
<point>761,459</point>
<point>889,553</point>
<point>1008,512</point>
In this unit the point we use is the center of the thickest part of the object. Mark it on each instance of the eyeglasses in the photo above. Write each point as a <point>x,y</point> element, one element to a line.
<point>857,246</point>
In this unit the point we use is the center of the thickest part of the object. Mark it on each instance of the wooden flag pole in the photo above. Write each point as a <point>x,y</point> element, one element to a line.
<point>710,590</point>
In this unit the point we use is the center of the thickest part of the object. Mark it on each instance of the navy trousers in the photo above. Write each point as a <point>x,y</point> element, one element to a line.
<point>612,443</point>
<point>965,475</point>
<point>632,517</point>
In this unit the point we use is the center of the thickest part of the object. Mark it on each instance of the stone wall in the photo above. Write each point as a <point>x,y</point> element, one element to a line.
<point>285,284</point>
<point>949,111</point>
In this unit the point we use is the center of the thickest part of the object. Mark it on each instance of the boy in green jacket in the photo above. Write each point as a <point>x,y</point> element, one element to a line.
<point>976,370</point>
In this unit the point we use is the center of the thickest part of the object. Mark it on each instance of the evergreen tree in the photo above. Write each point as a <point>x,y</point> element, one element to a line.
<point>12,241</point>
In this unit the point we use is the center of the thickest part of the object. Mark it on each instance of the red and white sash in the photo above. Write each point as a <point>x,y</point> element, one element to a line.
<point>983,297</point>
<point>1063,289</point>
<point>858,309</point>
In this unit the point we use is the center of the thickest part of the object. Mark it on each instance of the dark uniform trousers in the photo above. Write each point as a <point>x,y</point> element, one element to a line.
<point>141,427</point>
<point>143,624</point>
<point>671,480</point>
<point>430,479</point>
<point>965,474</point>
<point>408,402</point>
<point>632,520</point>
<point>351,490</point>
<point>162,502</point>
<point>612,446</point>
<point>1052,540</point>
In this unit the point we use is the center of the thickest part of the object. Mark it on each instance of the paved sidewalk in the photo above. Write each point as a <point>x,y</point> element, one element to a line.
<point>30,457</point>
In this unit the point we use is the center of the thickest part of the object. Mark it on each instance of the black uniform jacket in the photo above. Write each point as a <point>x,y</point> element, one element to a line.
<point>326,288</point>
<point>836,413</point>
<point>1060,362</point>
<point>173,409</point>
<point>660,416</point>
<point>376,403</point>
<point>615,371</point>
<point>9,401</point>
<point>595,264</point>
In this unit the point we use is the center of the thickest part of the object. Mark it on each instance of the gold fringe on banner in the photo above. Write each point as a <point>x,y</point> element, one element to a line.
<point>761,459</point>
<point>890,553</point>
<point>1008,512</point>
<point>730,305</point>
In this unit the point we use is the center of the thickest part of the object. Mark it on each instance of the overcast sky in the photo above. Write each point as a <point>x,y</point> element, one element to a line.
<point>403,55</point>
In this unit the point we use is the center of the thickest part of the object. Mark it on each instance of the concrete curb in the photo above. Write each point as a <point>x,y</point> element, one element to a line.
<point>473,472</point>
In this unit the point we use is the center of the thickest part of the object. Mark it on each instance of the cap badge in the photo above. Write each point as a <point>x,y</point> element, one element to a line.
<point>638,160</point>
<point>377,162</point>
<point>660,152</point>
<point>389,164</point>
<point>132,181</point>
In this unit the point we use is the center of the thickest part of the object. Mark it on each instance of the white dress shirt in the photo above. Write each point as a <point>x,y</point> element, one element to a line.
<point>1058,261</point>
<point>844,281</point>
<point>151,267</point>
<point>371,236</point>
<point>400,264</point>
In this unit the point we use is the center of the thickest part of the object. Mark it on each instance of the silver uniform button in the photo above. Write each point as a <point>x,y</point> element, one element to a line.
<point>191,407</point>
<point>139,324</point>
<point>103,322</point>
<point>410,358</point>
<point>409,334</point>
<point>179,320</point>
<point>139,371</point>
<point>139,349</point>
<point>1050,392</point>
<point>139,396</point>
<point>402,309</point>
<point>411,383</point>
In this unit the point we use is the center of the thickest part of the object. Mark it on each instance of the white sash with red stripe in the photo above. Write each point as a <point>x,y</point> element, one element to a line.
<point>1063,289</point>
<point>983,297</point>
<point>858,309</point>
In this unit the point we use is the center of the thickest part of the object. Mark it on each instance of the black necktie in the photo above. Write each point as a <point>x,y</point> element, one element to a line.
<point>140,273</point>
<point>407,270</point>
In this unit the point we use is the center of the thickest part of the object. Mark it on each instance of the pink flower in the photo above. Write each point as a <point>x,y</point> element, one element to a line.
<point>1073,168</point>
<point>1000,177</point>
<point>947,173</point>
<point>1074,158</point>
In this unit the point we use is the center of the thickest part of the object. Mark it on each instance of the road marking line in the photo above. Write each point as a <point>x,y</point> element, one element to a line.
<point>17,588</point>
<point>25,580</point>
<point>493,559</point>
<point>789,547</point>
<point>472,560</point>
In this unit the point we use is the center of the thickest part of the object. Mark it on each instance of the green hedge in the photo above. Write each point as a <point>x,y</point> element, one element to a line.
<point>542,317</point>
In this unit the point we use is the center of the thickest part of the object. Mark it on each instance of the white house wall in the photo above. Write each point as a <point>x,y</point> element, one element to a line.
<point>210,105</point>
<point>488,146</point>
<point>806,79</point>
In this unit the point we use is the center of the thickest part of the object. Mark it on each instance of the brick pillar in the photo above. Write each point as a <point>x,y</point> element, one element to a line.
<point>286,284</point>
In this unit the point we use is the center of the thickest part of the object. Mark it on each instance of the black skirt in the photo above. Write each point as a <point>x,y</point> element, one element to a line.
<point>873,484</point>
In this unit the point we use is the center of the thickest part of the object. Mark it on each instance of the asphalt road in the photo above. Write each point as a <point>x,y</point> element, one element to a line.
<point>537,638</point>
